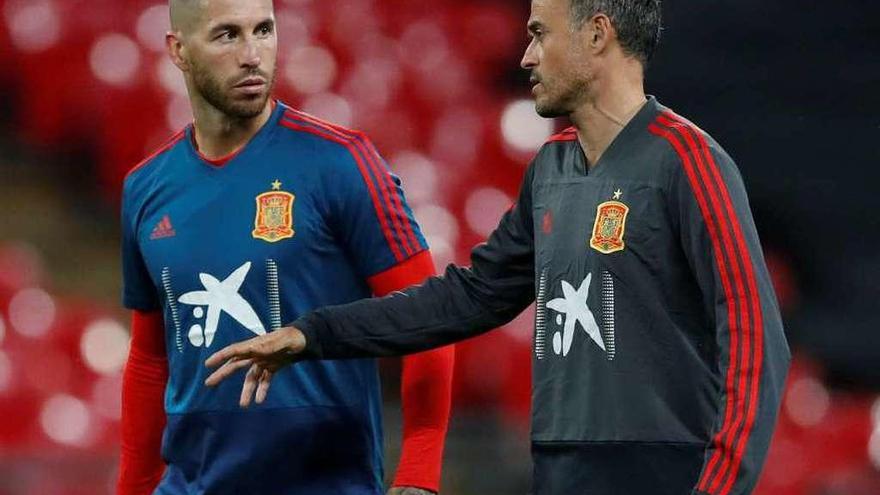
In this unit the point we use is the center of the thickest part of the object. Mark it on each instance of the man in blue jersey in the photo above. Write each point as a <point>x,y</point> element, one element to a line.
<point>250,217</point>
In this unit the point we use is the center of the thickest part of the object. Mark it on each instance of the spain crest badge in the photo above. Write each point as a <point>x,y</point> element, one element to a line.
<point>610,226</point>
<point>274,219</point>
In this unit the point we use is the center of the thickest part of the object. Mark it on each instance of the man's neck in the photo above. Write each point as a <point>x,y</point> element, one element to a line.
<point>613,102</point>
<point>218,135</point>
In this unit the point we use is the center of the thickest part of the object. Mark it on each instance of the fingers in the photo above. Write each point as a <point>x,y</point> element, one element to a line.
<point>250,384</point>
<point>227,369</point>
<point>239,350</point>
<point>263,387</point>
<point>256,378</point>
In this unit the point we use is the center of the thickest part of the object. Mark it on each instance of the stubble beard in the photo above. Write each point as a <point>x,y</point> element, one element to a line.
<point>563,102</point>
<point>216,93</point>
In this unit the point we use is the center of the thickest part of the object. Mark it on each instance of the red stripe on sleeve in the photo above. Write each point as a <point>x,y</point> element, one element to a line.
<point>723,441</point>
<point>385,184</point>
<point>398,203</point>
<point>731,469</point>
<point>377,205</point>
<point>738,303</point>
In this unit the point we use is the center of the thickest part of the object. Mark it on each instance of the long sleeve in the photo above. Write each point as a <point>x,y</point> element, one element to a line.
<point>426,389</point>
<point>462,303</point>
<point>143,412</point>
<point>720,241</point>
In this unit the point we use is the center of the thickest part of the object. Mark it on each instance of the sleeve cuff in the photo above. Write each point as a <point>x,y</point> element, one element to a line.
<point>410,272</point>
<point>309,325</point>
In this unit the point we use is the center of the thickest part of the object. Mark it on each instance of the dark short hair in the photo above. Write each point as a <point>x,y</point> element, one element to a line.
<point>637,22</point>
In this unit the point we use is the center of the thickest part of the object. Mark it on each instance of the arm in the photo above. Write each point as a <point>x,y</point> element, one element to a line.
<point>426,389</point>
<point>463,303</point>
<point>146,372</point>
<point>721,243</point>
<point>143,411</point>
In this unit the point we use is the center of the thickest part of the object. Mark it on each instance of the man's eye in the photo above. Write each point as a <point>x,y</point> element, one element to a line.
<point>265,30</point>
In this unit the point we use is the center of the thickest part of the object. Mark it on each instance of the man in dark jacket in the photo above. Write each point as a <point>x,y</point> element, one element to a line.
<point>659,354</point>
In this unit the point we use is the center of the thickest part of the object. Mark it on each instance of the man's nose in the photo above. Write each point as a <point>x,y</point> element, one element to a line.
<point>250,54</point>
<point>530,59</point>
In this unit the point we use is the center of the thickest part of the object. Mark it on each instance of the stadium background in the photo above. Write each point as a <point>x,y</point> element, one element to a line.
<point>788,87</point>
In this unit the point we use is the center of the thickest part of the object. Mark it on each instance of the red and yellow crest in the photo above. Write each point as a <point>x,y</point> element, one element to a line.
<point>609,227</point>
<point>274,220</point>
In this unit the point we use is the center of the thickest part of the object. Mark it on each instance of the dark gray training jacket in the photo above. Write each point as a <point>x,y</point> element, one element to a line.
<point>659,354</point>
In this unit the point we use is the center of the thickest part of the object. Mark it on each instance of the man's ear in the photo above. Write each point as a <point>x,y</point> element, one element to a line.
<point>601,31</point>
<point>176,50</point>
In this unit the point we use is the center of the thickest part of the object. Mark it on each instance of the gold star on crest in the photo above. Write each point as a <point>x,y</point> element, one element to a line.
<point>617,194</point>
<point>276,186</point>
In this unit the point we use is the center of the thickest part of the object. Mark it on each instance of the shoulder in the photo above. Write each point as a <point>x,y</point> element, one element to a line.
<point>337,145</point>
<point>685,147</point>
<point>554,157</point>
<point>147,169</point>
<point>557,144</point>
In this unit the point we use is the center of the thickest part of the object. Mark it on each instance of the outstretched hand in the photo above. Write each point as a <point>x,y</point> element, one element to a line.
<point>265,355</point>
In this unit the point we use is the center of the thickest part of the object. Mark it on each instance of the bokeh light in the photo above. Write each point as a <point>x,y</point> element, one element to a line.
<point>372,82</point>
<point>152,25</point>
<point>66,420</point>
<point>5,372</point>
<point>437,222</point>
<point>170,77</point>
<point>807,402</point>
<point>104,346</point>
<point>418,175</point>
<point>106,398</point>
<point>115,59</point>
<point>293,24</point>
<point>874,441</point>
<point>484,208</point>
<point>875,412</point>
<point>311,69</point>
<point>874,448</point>
<point>523,129</point>
<point>457,136</point>
<point>32,312</point>
<point>330,107</point>
<point>440,228</point>
<point>424,45</point>
<point>34,25</point>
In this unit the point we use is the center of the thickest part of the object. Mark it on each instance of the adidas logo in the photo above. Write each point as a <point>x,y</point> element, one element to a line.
<point>163,229</point>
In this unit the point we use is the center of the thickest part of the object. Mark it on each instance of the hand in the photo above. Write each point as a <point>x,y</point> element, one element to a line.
<point>265,355</point>
<point>409,490</point>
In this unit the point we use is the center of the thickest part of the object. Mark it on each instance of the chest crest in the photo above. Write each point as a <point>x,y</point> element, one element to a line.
<point>274,215</point>
<point>610,226</point>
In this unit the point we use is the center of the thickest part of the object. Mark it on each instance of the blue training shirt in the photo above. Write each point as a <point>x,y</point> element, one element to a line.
<point>300,218</point>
